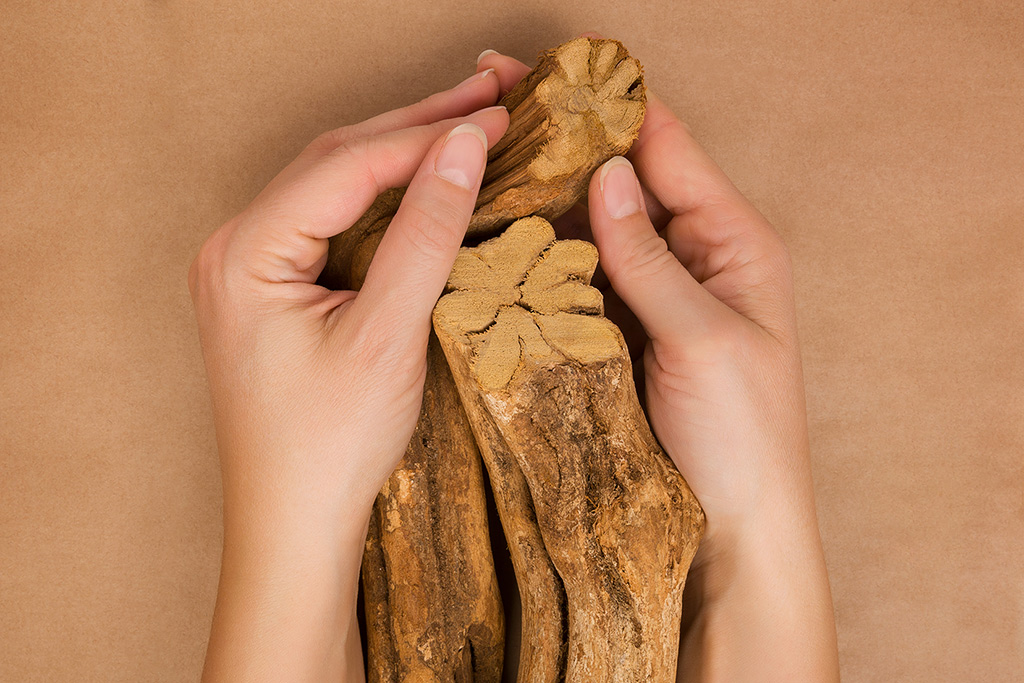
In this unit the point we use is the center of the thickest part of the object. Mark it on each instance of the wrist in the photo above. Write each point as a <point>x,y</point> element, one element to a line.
<point>286,602</point>
<point>295,503</point>
<point>760,607</point>
<point>781,533</point>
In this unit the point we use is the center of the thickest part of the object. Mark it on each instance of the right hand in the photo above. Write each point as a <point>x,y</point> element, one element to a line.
<point>710,282</point>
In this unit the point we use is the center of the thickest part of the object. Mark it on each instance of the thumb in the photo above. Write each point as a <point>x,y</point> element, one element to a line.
<point>648,277</point>
<point>411,266</point>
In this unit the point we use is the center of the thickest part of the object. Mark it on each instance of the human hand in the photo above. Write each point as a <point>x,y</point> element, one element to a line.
<point>710,282</point>
<point>316,393</point>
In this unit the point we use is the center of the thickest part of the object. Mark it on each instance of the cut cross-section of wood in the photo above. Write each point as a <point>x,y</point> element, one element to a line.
<point>547,384</point>
<point>581,105</point>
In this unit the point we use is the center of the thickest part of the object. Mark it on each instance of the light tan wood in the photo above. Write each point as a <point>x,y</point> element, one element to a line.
<point>431,597</point>
<point>547,384</point>
<point>581,105</point>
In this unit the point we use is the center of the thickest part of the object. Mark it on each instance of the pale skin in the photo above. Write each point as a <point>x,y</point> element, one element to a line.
<point>316,392</point>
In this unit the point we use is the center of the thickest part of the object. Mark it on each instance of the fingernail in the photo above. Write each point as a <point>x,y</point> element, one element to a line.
<point>619,187</point>
<point>475,77</point>
<point>462,156</point>
<point>484,54</point>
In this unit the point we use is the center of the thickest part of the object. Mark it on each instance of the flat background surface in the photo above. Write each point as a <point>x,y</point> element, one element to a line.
<point>884,139</point>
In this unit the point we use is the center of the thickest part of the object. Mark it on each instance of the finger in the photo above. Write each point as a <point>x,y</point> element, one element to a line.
<point>574,224</point>
<point>638,263</point>
<point>713,229</point>
<point>683,178</point>
<point>509,70</point>
<point>659,215</point>
<point>415,256</point>
<point>673,166</point>
<point>283,237</point>
<point>476,92</point>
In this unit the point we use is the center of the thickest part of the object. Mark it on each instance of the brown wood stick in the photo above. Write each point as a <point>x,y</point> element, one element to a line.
<point>547,384</point>
<point>432,603</point>
<point>581,105</point>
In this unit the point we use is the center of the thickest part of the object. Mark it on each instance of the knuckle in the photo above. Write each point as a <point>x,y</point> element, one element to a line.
<point>367,162</point>
<point>437,226</point>
<point>349,151</point>
<point>680,126</point>
<point>371,157</point>
<point>649,257</point>
<point>327,141</point>
<point>337,139</point>
<point>773,255</point>
<point>756,242</point>
<point>208,272</point>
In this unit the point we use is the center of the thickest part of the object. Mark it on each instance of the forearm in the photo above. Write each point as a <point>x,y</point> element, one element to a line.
<point>316,393</point>
<point>765,608</point>
<point>286,605</point>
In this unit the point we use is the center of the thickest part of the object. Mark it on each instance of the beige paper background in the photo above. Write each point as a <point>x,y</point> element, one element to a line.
<point>885,140</point>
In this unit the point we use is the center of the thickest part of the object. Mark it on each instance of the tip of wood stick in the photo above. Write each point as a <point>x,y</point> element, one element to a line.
<point>583,104</point>
<point>524,297</point>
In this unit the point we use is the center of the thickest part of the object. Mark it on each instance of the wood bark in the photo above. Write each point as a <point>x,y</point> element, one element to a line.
<point>581,105</point>
<point>589,501</point>
<point>433,610</point>
<point>431,599</point>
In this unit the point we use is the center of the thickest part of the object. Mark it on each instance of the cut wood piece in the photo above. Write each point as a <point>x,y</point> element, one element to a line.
<point>547,385</point>
<point>433,609</point>
<point>581,105</point>
<point>545,619</point>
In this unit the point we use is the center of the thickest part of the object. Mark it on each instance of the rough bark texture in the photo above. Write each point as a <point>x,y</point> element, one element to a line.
<point>431,599</point>
<point>349,254</point>
<point>581,105</point>
<point>547,384</point>
<point>433,609</point>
